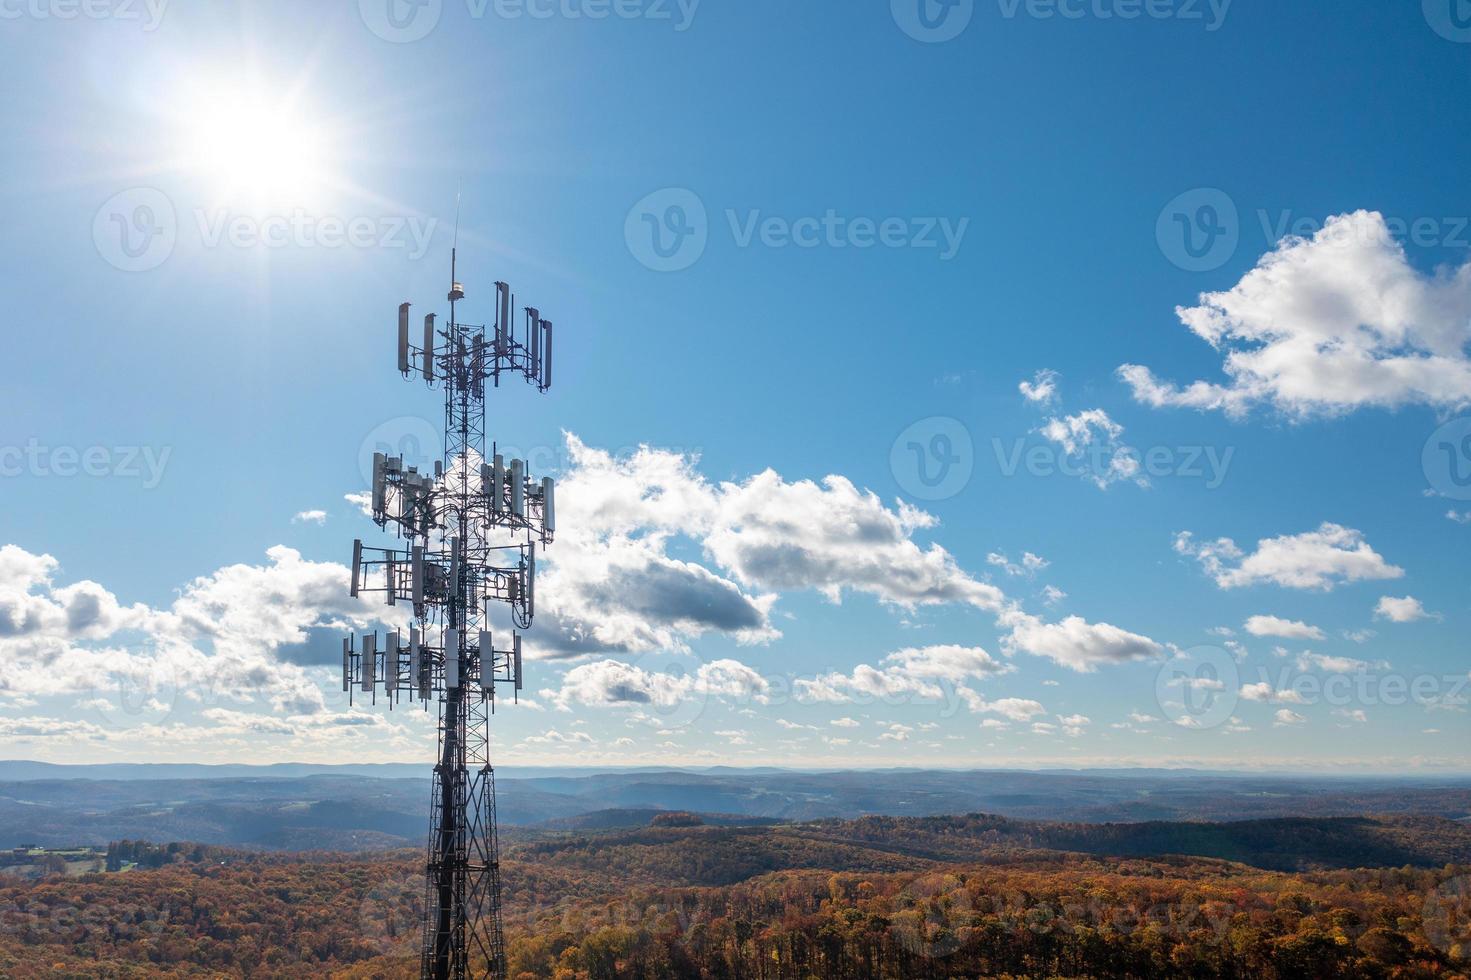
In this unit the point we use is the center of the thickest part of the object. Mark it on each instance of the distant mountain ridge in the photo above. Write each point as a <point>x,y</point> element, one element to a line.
<point>276,808</point>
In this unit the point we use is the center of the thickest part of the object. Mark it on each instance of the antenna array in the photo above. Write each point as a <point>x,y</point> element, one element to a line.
<point>469,533</point>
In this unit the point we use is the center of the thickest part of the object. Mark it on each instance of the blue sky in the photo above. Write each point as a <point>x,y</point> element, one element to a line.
<point>869,236</point>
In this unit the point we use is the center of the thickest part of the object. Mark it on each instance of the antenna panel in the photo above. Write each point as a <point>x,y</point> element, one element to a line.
<point>546,356</point>
<point>549,504</point>
<point>451,657</point>
<point>503,320</point>
<point>416,573</point>
<point>533,344</point>
<point>357,564</point>
<point>370,659</point>
<point>531,580</point>
<point>487,661</point>
<point>429,347</point>
<point>498,473</point>
<point>346,664</point>
<point>518,487</point>
<point>516,656</point>
<point>403,338</point>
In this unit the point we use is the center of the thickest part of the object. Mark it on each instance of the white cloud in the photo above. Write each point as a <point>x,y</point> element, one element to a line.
<point>1264,692</point>
<point>613,586</point>
<point>1322,559</point>
<point>318,517</point>
<point>1074,726</point>
<point>1029,566</point>
<point>843,723</point>
<point>1403,610</point>
<point>921,674</point>
<point>768,534</point>
<point>1330,663</point>
<point>1052,595</point>
<point>1091,441</point>
<point>612,682</point>
<point>220,638</point>
<point>1014,709</point>
<point>1326,325</point>
<point>553,737</point>
<point>1357,714</point>
<point>1290,629</point>
<point>1042,389</point>
<point>1460,517</point>
<point>1076,643</point>
<point>1285,717</point>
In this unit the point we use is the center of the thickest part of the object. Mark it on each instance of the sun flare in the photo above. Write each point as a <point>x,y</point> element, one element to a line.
<point>251,147</point>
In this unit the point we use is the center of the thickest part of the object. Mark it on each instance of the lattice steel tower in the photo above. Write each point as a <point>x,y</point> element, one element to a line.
<point>469,532</point>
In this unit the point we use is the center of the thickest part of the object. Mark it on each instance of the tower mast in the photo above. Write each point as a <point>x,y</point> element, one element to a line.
<point>468,534</point>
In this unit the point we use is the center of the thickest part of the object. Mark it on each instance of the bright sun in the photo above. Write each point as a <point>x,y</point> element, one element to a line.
<point>257,149</point>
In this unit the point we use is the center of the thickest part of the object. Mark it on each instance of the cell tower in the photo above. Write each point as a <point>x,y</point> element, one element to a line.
<point>469,531</point>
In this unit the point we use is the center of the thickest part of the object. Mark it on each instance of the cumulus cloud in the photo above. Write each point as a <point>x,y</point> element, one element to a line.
<point>1029,566</point>
<point>916,674</point>
<point>1289,629</point>
<point>613,584</point>
<point>1092,443</point>
<point>612,682</point>
<point>1329,324</point>
<point>1331,663</point>
<point>219,637</point>
<point>1322,559</point>
<point>1042,389</point>
<point>318,517</point>
<point>1077,643</point>
<point>1013,709</point>
<point>1407,609</point>
<point>1286,717</point>
<point>1264,691</point>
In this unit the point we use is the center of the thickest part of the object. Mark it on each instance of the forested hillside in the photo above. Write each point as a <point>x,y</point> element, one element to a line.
<point>863,900</point>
